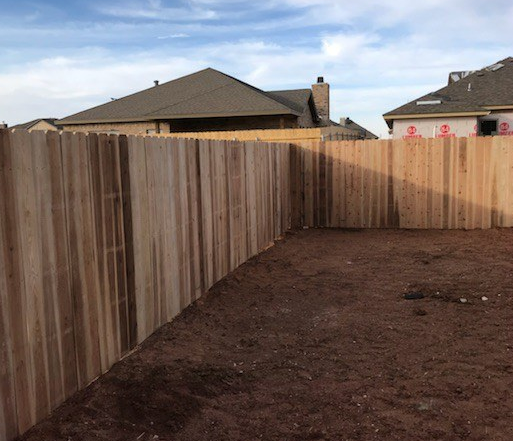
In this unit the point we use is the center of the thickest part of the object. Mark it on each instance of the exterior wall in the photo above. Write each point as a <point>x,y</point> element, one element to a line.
<point>273,122</point>
<point>235,123</point>
<point>435,127</point>
<point>139,128</point>
<point>458,127</point>
<point>43,125</point>
<point>504,123</point>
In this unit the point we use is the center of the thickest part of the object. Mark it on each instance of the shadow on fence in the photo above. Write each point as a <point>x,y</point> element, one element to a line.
<point>443,184</point>
<point>103,239</point>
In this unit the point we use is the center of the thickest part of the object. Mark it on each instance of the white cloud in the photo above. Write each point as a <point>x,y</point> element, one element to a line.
<point>59,86</point>
<point>346,45</point>
<point>154,10</point>
<point>179,35</point>
<point>376,55</point>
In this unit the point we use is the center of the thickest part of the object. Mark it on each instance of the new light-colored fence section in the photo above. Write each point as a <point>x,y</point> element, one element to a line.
<point>273,135</point>
<point>199,210</point>
<point>268,135</point>
<point>458,183</point>
<point>105,238</point>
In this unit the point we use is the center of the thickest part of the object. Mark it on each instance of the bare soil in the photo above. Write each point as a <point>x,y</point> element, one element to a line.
<point>313,340</point>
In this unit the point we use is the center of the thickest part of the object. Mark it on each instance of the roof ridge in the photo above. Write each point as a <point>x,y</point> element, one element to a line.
<point>134,93</point>
<point>188,99</point>
<point>261,93</point>
<point>255,89</point>
<point>288,90</point>
<point>218,88</point>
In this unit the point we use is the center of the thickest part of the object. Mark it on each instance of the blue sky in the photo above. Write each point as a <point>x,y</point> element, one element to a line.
<point>60,57</point>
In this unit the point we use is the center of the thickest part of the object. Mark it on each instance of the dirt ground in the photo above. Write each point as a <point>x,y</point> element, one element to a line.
<point>313,340</point>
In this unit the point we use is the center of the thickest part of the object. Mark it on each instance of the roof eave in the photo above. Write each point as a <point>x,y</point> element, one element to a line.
<point>391,117</point>
<point>504,107</point>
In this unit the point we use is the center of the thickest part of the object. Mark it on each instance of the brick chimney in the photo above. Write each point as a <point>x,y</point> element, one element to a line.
<point>321,97</point>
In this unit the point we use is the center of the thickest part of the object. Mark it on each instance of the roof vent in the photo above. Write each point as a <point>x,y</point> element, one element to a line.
<point>156,82</point>
<point>320,80</point>
<point>429,102</point>
<point>456,76</point>
<point>495,67</point>
<point>469,87</point>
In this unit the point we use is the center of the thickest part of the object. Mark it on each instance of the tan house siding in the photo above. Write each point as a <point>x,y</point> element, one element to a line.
<point>194,125</point>
<point>42,125</point>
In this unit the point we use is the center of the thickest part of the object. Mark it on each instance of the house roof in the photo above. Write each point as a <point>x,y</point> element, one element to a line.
<point>294,99</point>
<point>348,123</point>
<point>28,125</point>
<point>207,93</point>
<point>476,93</point>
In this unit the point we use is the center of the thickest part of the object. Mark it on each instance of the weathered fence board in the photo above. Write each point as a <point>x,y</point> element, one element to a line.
<point>451,183</point>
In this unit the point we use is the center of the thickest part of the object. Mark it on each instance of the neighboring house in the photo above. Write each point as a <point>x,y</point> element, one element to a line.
<point>207,100</point>
<point>348,123</point>
<point>347,129</point>
<point>39,124</point>
<point>474,103</point>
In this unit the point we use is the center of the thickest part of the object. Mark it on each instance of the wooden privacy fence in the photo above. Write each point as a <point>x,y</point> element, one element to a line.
<point>105,238</point>
<point>423,183</point>
<point>268,135</point>
<point>273,135</point>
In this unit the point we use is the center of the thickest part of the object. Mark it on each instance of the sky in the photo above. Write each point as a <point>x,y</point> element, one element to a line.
<point>60,57</point>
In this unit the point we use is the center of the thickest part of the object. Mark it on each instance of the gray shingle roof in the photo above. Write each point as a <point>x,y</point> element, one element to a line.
<point>28,125</point>
<point>207,93</point>
<point>294,99</point>
<point>348,123</point>
<point>488,87</point>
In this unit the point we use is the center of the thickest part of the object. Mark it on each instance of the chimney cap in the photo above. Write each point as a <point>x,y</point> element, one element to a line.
<point>320,80</point>
<point>156,82</point>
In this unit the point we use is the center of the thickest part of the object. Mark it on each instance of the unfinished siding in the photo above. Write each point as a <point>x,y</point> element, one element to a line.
<point>435,127</point>
<point>451,127</point>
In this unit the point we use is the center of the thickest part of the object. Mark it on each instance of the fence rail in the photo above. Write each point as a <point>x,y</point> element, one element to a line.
<point>105,238</point>
<point>453,183</point>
